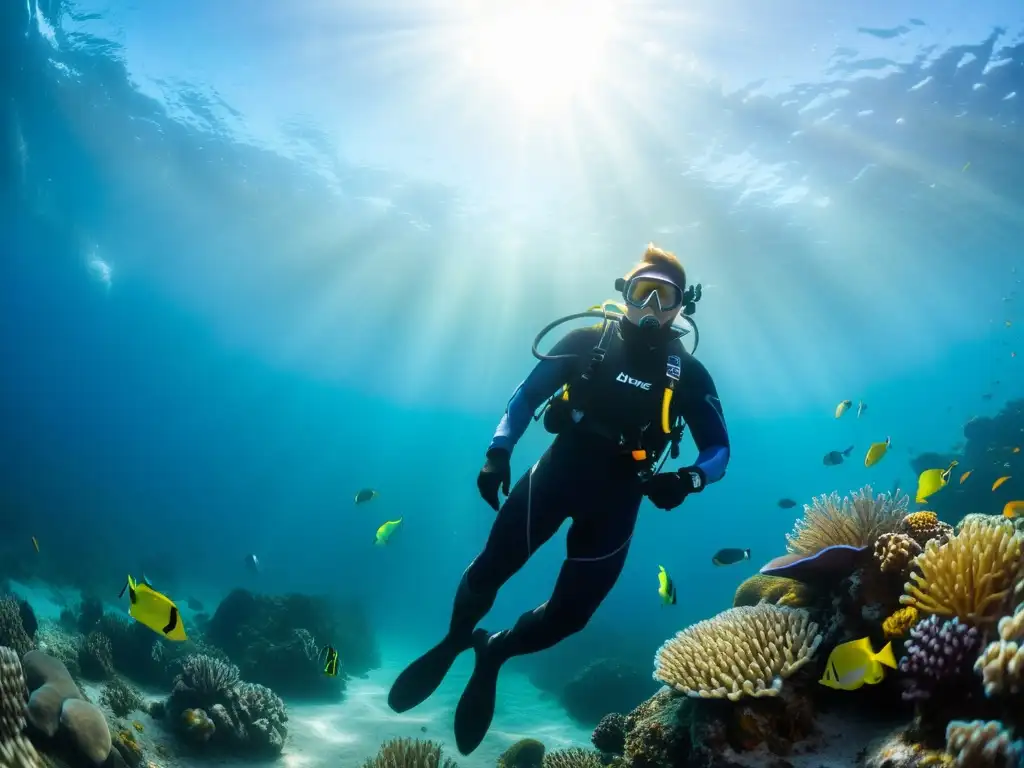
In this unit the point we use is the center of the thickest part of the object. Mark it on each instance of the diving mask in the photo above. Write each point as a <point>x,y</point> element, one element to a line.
<point>643,289</point>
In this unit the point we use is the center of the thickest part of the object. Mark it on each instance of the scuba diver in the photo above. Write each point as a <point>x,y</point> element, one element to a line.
<point>617,394</point>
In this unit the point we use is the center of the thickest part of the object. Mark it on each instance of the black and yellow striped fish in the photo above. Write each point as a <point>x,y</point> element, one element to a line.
<point>330,656</point>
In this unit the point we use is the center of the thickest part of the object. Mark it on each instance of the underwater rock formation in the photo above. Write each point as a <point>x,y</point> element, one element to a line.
<point>525,753</point>
<point>275,640</point>
<point>410,753</point>
<point>246,716</point>
<point>16,751</point>
<point>609,737</point>
<point>740,652</point>
<point>605,685</point>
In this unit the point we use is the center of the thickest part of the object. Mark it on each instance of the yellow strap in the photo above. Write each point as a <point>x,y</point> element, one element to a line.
<point>666,405</point>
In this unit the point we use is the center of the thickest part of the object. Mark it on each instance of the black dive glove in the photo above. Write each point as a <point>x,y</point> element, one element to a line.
<point>495,474</point>
<point>667,490</point>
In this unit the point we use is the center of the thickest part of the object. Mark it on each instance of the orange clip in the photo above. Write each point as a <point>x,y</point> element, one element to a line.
<point>640,455</point>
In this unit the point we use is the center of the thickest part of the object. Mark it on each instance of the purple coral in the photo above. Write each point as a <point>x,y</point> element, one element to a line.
<point>939,654</point>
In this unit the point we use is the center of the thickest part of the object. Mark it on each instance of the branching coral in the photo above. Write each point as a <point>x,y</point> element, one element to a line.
<point>1001,664</point>
<point>924,526</point>
<point>15,750</point>
<point>900,622</point>
<point>855,520</point>
<point>410,753</point>
<point>121,697</point>
<point>971,576</point>
<point>939,657</point>
<point>894,551</point>
<point>745,651</point>
<point>574,757</point>
<point>12,629</point>
<point>980,744</point>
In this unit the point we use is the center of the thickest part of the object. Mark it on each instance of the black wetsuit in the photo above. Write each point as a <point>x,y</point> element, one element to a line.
<point>588,474</point>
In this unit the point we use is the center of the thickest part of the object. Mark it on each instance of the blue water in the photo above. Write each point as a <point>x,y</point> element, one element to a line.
<point>256,257</point>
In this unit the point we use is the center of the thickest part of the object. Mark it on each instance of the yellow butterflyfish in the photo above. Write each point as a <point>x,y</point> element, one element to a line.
<point>154,610</point>
<point>933,480</point>
<point>385,531</point>
<point>666,589</point>
<point>876,452</point>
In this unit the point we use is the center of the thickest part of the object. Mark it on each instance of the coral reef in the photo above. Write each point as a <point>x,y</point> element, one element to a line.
<point>605,685</point>
<point>574,757</point>
<point>772,589</point>
<point>979,744</point>
<point>59,713</point>
<point>410,753</point>
<point>525,753</point>
<point>855,520</point>
<point>609,736</point>
<point>120,697</point>
<point>745,651</point>
<point>246,716</point>
<point>96,657</point>
<point>89,614</point>
<point>16,751</point>
<point>1001,664</point>
<point>54,639</point>
<point>658,731</point>
<point>275,640</point>
<point>900,622</point>
<point>939,660</point>
<point>971,576</point>
<point>12,627</point>
<point>895,551</point>
<point>924,526</point>
<point>197,726</point>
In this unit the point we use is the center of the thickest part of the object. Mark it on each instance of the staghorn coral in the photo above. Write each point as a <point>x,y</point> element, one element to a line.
<point>855,520</point>
<point>745,651</point>
<point>574,757</point>
<point>772,589</point>
<point>96,657</point>
<point>410,753</point>
<point>924,526</point>
<point>16,751</point>
<point>525,753</point>
<point>895,551</point>
<point>1001,664</point>
<point>971,576</point>
<point>120,697</point>
<point>939,657</point>
<point>900,622</point>
<point>981,744</point>
<point>610,734</point>
<point>12,628</point>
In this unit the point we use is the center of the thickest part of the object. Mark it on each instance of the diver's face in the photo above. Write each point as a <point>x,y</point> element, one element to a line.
<point>636,315</point>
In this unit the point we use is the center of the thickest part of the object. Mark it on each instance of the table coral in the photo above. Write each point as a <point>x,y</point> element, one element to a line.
<point>745,651</point>
<point>971,576</point>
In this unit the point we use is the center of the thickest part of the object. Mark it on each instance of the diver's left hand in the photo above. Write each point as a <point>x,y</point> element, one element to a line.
<point>667,490</point>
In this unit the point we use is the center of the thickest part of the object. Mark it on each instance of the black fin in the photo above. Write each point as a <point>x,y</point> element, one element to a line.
<point>121,593</point>
<point>173,622</point>
<point>421,678</point>
<point>131,595</point>
<point>475,709</point>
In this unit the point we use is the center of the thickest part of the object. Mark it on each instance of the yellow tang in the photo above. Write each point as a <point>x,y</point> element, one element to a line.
<point>932,480</point>
<point>1000,481</point>
<point>154,610</point>
<point>876,451</point>
<point>385,531</point>
<point>1013,509</point>
<point>666,589</point>
<point>841,408</point>
<point>854,664</point>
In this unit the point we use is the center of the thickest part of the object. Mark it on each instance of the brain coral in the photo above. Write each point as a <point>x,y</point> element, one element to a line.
<point>925,526</point>
<point>15,750</point>
<point>971,576</point>
<point>855,520</point>
<point>745,651</point>
<point>1001,664</point>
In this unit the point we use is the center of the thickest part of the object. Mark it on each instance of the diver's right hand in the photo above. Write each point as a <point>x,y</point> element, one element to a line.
<point>496,473</point>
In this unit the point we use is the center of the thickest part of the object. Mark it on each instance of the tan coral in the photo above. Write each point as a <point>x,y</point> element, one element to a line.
<point>772,589</point>
<point>16,751</point>
<point>900,622</point>
<point>745,651</point>
<point>924,526</point>
<point>855,520</point>
<point>894,551</point>
<point>1001,664</point>
<point>981,744</point>
<point>971,576</point>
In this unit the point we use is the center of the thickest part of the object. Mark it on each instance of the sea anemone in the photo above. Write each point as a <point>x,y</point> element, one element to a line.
<point>971,576</point>
<point>855,520</point>
<point>746,651</point>
<point>939,657</point>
